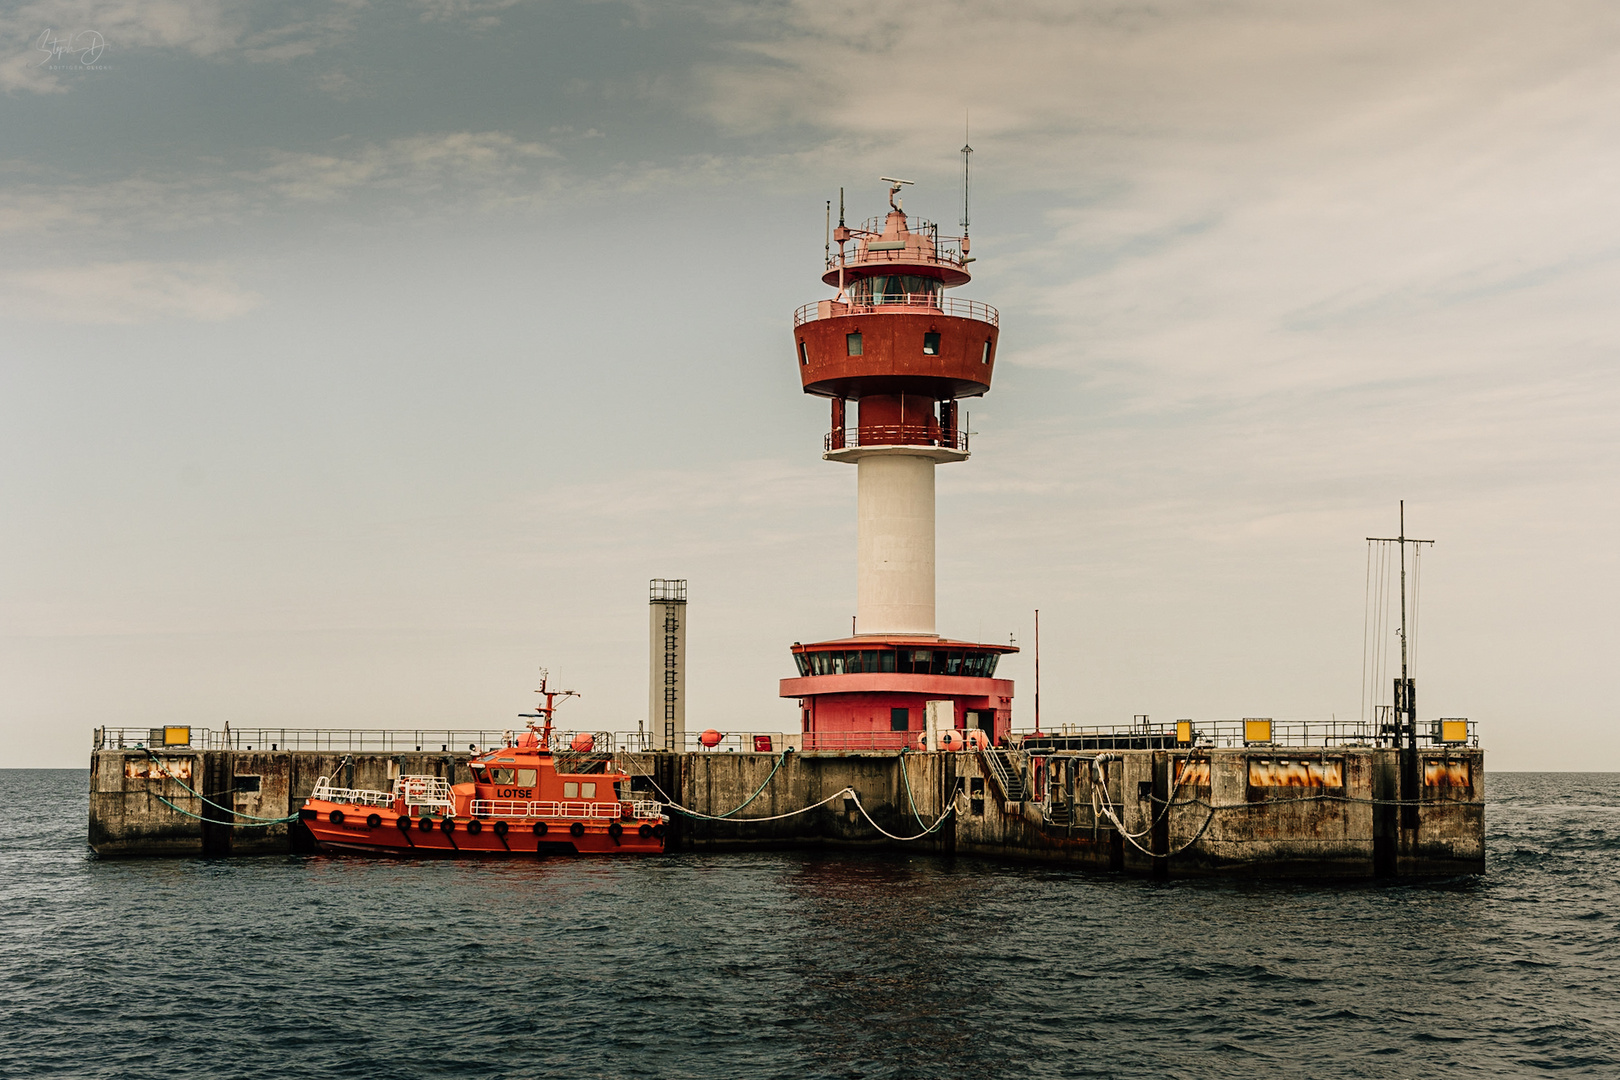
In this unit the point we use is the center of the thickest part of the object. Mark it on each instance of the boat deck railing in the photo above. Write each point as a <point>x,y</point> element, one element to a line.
<point>353,796</point>
<point>610,811</point>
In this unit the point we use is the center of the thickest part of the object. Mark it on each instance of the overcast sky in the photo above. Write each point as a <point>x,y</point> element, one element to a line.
<point>358,359</point>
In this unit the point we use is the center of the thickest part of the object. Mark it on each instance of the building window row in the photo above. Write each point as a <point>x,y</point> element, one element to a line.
<point>964,662</point>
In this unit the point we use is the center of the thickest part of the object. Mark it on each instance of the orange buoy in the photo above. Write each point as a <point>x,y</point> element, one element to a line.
<point>583,742</point>
<point>951,739</point>
<point>977,740</point>
<point>710,738</point>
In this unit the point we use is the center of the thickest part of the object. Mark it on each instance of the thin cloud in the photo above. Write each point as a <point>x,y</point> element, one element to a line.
<point>124,292</point>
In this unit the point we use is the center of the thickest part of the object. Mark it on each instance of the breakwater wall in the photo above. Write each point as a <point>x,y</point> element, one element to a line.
<point>1266,811</point>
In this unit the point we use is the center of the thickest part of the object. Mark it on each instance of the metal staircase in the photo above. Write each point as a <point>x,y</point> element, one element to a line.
<point>1007,773</point>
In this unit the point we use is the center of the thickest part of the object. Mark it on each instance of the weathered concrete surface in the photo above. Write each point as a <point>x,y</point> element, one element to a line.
<point>132,815</point>
<point>1256,811</point>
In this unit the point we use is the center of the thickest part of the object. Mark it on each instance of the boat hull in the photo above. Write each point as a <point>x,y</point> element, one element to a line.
<point>353,832</point>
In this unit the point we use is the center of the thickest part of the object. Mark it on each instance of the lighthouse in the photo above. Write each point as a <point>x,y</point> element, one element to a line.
<point>895,357</point>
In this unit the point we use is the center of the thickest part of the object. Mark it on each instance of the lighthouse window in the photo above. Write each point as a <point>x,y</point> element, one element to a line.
<point>853,343</point>
<point>804,356</point>
<point>897,289</point>
<point>986,358</point>
<point>930,344</point>
<point>803,662</point>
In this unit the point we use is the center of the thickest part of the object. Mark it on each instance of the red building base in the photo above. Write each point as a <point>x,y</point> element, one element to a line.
<point>871,692</point>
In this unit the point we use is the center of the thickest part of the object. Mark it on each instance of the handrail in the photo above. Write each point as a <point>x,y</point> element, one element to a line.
<point>1229,733</point>
<point>951,306</point>
<point>352,796</point>
<point>340,740</point>
<point>539,808</point>
<point>895,435</point>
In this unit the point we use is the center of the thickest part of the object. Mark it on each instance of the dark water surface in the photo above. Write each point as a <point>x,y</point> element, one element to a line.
<point>804,964</point>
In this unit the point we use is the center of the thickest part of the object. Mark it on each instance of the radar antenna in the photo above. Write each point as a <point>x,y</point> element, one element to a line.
<point>894,190</point>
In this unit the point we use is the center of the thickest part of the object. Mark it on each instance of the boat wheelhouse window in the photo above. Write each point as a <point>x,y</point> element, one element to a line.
<point>930,344</point>
<point>571,789</point>
<point>852,342</point>
<point>526,777</point>
<point>587,791</point>
<point>503,776</point>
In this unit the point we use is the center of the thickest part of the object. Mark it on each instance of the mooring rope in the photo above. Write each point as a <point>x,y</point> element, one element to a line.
<point>761,787</point>
<point>949,810</point>
<point>167,775</point>
<point>261,823</point>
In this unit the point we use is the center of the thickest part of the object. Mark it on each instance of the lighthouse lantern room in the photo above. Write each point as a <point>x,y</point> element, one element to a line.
<point>895,355</point>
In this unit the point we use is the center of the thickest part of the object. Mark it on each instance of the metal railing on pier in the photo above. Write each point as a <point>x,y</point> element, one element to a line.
<point>336,740</point>
<point>1252,732</point>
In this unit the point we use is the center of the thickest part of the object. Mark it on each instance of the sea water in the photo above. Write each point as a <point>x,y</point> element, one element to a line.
<point>804,963</point>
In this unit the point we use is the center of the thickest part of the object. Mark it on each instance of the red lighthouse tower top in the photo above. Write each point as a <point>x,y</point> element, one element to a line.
<point>925,344</point>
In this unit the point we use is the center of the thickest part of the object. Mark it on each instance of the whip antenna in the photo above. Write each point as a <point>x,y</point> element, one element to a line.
<point>966,150</point>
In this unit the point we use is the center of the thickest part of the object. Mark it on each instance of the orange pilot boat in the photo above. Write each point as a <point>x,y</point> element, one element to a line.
<point>526,798</point>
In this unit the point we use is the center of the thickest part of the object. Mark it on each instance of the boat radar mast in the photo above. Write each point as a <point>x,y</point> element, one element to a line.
<point>545,711</point>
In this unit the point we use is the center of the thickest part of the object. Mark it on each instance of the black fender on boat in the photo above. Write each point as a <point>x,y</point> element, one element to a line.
<point>373,821</point>
<point>577,829</point>
<point>335,817</point>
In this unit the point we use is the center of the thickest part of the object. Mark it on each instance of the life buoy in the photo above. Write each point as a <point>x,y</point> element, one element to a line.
<point>474,827</point>
<point>540,828</point>
<point>373,820</point>
<point>577,829</point>
<point>425,824</point>
<point>615,831</point>
<point>335,817</point>
<point>645,831</point>
<point>404,823</point>
<point>448,825</point>
<point>500,828</point>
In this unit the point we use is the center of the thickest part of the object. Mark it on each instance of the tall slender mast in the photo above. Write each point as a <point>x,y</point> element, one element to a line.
<point>1402,542</point>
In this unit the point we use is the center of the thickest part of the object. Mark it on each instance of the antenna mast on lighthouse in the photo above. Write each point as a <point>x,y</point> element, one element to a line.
<point>966,150</point>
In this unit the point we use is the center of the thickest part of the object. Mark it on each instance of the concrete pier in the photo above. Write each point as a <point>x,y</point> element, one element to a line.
<point>1261,811</point>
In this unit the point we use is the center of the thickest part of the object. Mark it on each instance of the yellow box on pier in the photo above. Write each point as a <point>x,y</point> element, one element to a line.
<point>1256,731</point>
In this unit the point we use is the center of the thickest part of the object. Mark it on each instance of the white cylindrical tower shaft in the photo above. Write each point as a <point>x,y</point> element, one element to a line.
<point>895,548</point>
